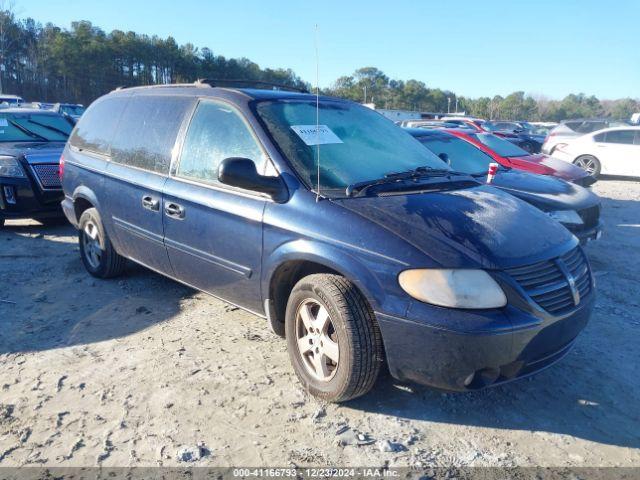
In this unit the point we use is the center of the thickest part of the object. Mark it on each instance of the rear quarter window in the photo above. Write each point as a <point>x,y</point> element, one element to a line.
<point>147,131</point>
<point>95,129</point>
<point>624,137</point>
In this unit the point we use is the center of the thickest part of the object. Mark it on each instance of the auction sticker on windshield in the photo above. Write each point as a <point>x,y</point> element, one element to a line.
<point>315,134</point>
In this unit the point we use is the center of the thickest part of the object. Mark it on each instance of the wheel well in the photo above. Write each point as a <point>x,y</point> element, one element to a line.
<point>284,279</point>
<point>80,205</point>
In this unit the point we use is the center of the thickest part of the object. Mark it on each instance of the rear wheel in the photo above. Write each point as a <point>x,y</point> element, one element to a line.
<point>97,253</point>
<point>589,163</point>
<point>333,339</point>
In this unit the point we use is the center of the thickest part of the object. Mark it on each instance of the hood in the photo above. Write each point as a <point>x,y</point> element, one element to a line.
<point>545,192</point>
<point>34,152</point>
<point>551,166</point>
<point>478,227</point>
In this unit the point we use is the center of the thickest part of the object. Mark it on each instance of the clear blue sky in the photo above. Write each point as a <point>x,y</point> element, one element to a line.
<point>475,48</point>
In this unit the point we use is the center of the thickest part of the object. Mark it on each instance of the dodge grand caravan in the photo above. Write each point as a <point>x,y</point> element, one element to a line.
<point>340,229</point>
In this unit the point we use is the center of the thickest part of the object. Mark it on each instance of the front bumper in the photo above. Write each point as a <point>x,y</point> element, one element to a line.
<point>23,198</point>
<point>462,350</point>
<point>585,235</point>
<point>69,211</point>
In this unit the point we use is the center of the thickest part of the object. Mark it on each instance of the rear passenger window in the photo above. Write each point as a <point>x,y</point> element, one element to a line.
<point>148,130</point>
<point>620,136</point>
<point>216,132</point>
<point>97,126</point>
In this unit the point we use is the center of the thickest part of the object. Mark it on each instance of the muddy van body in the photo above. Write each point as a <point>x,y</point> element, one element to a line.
<point>373,254</point>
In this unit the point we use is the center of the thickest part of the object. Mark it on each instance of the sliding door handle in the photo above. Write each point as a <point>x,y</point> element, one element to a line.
<point>174,210</point>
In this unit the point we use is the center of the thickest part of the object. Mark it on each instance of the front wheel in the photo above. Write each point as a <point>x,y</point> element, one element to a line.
<point>333,339</point>
<point>588,163</point>
<point>98,255</point>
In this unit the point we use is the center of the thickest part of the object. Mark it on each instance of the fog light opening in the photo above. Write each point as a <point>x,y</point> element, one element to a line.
<point>9,194</point>
<point>469,379</point>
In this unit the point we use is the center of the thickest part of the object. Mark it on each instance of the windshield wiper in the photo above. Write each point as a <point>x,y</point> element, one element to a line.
<point>26,131</point>
<point>413,174</point>
<point>49,127</point>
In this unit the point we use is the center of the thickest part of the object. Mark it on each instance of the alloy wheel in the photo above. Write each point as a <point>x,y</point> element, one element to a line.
<point>91,243</point>
<point>317,340</point>
<point>587,164</point>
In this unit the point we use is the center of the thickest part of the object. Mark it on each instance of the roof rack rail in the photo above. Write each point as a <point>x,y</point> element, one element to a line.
<point>155,85</point>
<point>225,82</point>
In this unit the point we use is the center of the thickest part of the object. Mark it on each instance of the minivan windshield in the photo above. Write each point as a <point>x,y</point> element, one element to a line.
<point>356,144</point>
<point>504,148</point>
<point>33,126</point>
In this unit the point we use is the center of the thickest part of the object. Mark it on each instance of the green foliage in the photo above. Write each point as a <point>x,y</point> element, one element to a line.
<point>387,93</point>
<point>48,63</point>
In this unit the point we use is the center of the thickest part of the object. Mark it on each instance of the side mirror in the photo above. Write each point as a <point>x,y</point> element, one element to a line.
<point>445,158</point>
<point>242,173</point>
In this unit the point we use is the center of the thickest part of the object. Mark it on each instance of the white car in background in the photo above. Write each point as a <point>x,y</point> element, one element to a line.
<point>611,151</point>
<point>569,130</point>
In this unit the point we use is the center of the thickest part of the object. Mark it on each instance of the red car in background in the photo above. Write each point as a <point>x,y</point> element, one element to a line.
<point>509,155</point>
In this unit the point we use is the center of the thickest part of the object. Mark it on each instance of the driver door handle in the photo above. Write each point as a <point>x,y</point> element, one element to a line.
<point>151,203</point>
<point>174,210</point>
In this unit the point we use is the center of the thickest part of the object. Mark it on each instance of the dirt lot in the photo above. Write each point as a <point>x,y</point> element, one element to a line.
<point>143,371</point>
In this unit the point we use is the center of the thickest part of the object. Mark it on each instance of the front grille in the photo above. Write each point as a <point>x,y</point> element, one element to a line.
<point>590,216</point>
<point>47,175</point>
<point>557,285</point>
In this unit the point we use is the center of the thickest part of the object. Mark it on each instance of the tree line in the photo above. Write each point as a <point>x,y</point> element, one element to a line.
<point>53,64</point>
<point>369,84</point>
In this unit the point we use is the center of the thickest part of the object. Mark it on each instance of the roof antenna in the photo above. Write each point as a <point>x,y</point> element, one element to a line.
<point>317,117</point>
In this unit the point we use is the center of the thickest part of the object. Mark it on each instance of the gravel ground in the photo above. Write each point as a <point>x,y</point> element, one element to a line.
<point>141,371</point>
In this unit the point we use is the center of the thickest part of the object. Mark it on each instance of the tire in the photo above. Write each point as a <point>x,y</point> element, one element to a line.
<point>350,335</point>
<point>589,163</point>
<point>104,262</point>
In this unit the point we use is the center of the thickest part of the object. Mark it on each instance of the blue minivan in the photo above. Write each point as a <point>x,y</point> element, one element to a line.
<point>352,240</point>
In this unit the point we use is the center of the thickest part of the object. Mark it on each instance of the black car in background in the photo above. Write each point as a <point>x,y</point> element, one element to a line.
<point>575,207</point>
<point>522,134</point>
<point>31,142</point>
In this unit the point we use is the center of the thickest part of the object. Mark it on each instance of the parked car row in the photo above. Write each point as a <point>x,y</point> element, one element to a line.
<point>595,145</point>
<point>70,110</point>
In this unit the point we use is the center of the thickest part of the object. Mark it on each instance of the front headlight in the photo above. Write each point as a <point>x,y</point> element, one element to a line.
<point>570,217</point>
<point>453,288</point>
<point>9,167</point>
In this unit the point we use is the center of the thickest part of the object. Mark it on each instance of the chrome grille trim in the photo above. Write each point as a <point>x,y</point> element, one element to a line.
<point>556,285</point>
